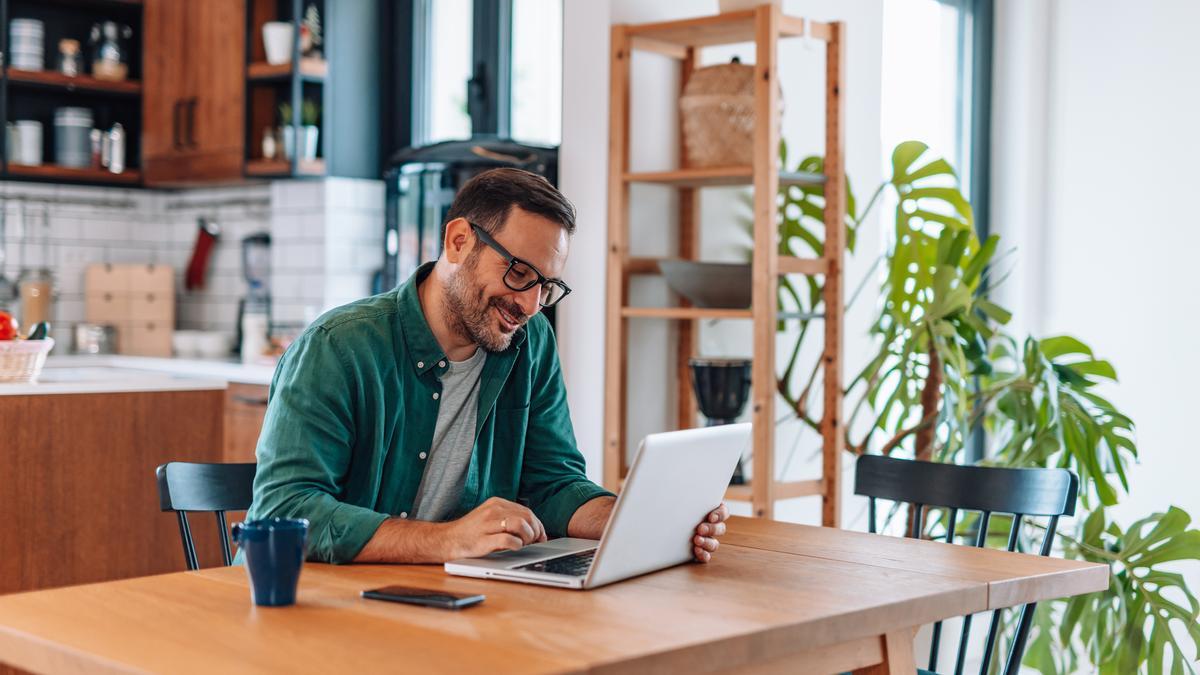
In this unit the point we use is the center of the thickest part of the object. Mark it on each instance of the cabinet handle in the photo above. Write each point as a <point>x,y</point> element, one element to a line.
<point>176,111</point>
<point>251,400</point>
<point>191,123</point>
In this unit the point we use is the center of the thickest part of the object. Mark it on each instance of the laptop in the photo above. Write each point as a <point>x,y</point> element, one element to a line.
<point>676,479</point>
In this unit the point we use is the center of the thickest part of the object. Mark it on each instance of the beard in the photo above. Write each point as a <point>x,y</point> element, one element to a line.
<point>470,313</point>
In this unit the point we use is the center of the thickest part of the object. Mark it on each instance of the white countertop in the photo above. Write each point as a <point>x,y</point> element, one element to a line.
<point>227,370</point>
<point>87,374</point>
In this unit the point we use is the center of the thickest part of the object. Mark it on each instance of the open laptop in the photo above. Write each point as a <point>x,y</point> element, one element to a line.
<point>676,479</point>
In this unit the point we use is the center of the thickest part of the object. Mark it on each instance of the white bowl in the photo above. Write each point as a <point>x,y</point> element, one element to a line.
<point>186,343</point>
<point>213,344</point>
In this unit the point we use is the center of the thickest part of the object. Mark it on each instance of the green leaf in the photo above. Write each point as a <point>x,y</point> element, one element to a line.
<point>1096,368</point>
<point>1054,347</point>
<point>993,311</point>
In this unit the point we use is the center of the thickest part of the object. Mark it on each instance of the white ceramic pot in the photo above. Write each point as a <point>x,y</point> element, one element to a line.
<point>26,140</point>
<point>277,39</point>
<point>310,137</point>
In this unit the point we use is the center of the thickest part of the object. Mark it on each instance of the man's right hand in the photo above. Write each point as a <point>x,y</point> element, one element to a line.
<point>495,525</point>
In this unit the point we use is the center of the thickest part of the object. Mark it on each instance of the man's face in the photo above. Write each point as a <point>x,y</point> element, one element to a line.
<point>478,302</point>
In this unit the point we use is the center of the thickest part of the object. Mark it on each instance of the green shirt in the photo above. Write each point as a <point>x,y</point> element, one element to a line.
<point>351,417</point>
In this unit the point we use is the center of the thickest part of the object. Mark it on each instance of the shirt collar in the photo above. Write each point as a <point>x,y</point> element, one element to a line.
<point>423,348</point>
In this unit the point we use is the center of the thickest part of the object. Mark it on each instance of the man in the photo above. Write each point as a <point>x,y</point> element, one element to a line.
<point>408,426</point>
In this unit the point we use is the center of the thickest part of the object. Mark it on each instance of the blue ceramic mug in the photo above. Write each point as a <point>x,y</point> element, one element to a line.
<point>274,552</point>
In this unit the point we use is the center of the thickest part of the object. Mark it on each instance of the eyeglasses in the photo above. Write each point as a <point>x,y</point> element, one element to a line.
<point>521,276</point>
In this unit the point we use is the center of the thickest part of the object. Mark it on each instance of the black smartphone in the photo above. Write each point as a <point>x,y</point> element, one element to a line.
<point>422,596</point>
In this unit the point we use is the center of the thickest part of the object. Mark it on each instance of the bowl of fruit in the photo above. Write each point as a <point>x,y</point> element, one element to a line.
<point>22,356</point>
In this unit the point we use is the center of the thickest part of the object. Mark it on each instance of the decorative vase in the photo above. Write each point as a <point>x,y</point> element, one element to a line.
<point>722,387</point>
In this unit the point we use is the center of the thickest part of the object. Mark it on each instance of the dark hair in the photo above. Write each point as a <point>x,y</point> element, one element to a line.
<point>486,200</point>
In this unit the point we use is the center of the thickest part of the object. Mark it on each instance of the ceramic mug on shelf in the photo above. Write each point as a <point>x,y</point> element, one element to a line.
<point>25,142</point>
<point>277,40</point>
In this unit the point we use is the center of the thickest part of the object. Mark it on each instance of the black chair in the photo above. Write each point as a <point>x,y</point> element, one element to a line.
<point>213,488</point>
<point>1021,493</point>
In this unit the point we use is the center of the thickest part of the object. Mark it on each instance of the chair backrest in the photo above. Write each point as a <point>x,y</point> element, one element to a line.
<point>1020,493</point>
<point>213,488</point>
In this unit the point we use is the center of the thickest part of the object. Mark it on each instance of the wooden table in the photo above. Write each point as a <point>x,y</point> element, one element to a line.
<point>778,598</point>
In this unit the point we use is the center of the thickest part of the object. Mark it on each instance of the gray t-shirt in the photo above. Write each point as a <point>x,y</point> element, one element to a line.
<point>453,440</point>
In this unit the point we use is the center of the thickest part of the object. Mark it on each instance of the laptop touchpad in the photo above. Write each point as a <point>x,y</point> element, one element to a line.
<point>536,552</point>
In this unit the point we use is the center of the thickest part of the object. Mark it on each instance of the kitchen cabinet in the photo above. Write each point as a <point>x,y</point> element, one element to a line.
<point>80,501</point>
<point>194,94</point>
<point>245,408</point>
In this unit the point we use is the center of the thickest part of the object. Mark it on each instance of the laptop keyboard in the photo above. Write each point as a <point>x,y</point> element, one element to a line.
<point>572,565</point>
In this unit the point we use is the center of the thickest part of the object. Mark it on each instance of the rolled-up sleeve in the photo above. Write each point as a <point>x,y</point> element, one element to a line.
<point>305,449</point>
<point>553,476</point>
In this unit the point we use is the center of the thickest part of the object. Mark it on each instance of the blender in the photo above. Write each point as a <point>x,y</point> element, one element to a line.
<point>722,388</point>
<point>254,310</point>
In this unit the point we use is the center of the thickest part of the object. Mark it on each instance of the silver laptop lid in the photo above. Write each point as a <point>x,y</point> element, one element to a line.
<point>676,479</point>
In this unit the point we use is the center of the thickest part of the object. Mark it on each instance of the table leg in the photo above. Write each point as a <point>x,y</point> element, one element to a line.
<point>897,655</point>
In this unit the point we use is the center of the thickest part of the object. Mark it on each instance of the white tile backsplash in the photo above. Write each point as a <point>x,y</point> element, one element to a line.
<point>326,242</point>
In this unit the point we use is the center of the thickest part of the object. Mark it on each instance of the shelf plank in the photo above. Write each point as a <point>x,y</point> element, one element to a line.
<point>684,313</point>
<point>719,176</point>
<point>793,265</point>
<point>282,167</point>
<point>56,80</point>
<point>55,172</point>
<point>783,490</point>
<point>310,69</point>
<point>719,29</point>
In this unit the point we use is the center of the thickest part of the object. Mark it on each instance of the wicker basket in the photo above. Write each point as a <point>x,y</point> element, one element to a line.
<point>22,360</point>
<point>717,108</point>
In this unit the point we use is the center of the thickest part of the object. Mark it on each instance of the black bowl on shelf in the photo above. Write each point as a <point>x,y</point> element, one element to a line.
<point>712,285</point>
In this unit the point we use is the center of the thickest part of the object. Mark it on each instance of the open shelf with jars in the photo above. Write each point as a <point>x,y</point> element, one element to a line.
<point>70,91</point>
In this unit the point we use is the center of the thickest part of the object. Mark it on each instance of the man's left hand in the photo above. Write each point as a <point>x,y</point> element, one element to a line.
<point>705,543</point>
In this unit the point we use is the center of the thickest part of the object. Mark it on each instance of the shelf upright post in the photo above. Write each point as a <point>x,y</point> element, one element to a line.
<point>617,283</point>
<point>688,331</point>
<point>835,217</point>
<point>765,268</point>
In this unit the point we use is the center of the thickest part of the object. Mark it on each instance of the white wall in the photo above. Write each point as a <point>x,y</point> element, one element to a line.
<point>584,180</point>
<point>1108,240</point>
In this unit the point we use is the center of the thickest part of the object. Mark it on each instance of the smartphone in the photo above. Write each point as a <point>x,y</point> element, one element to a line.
<point>422,596</point>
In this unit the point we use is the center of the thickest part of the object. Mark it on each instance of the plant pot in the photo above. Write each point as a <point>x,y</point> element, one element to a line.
<point>277,41</point>
<point>310,136</point>
<point>722,387</point>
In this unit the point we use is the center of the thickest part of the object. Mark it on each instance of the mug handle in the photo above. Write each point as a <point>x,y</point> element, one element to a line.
<point>235,533</point>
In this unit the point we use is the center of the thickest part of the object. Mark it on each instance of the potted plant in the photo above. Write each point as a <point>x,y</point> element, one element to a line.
<point>310,114</point>
<point>945,370</point>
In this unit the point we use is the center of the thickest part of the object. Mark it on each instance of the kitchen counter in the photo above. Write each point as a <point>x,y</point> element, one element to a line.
<point>106,380</point>
<point>226,370</point>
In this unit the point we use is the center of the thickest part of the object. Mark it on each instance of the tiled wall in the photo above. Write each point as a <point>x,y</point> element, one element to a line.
<point>325,242</point>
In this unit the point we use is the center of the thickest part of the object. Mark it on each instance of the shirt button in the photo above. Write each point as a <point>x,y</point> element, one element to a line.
<point>420,364</point>
<point>436,395</point>
<point>441,364</point>
<point>422,455</point>
<point>404,514</point>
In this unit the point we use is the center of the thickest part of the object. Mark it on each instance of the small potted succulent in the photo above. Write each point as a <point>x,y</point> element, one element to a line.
<point>310,114</point>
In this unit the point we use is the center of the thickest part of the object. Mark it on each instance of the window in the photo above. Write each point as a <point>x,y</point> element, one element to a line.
<point>537,71</point>
<point>937,84</point>
<point>474,67</point>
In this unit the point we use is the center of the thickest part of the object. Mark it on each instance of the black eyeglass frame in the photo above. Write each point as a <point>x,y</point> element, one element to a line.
<point>512,260</point>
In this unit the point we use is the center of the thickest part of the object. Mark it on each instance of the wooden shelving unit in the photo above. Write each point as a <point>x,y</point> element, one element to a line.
<point>682,40</point>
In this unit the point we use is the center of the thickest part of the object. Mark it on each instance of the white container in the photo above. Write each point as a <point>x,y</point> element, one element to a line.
<point>27,39</point>
<point>185,343</point>
<point>213,344</point>
<point>26,141</point>
<point>255,340</point>
<point>277,39</point>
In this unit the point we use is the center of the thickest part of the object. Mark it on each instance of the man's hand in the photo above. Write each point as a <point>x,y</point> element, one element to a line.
<point>495,525</point>
<point>705,543</point>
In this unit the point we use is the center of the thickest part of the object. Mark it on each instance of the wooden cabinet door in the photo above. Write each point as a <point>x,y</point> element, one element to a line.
<point>217,76</point>
<point>195,105</point>
<point>164,86</point>
<point>245,408</point>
